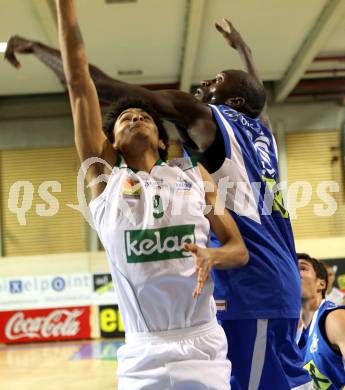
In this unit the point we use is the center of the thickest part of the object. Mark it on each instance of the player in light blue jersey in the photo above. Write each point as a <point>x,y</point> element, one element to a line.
<point>224,128</point>
<point>322,337</point>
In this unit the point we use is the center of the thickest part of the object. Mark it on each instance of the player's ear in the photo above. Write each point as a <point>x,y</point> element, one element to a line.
<point>321,284</point>
<point>161,145</point>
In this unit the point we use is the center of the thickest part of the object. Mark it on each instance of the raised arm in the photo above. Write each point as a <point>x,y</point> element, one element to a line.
<point>105,85</point>
<point>174,105</point>
<point>108,88</point>
<point>235,40</point>
<point>233,252</point>
<point>90,140</point>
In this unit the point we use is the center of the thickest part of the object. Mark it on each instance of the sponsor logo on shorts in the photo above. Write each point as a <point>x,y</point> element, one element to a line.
<point>158,244</point>
<point>221,304</point>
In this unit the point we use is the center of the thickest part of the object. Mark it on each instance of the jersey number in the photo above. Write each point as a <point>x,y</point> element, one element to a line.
<point>158,211</point>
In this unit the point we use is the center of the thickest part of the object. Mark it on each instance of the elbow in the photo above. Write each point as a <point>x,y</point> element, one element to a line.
<point>77,81</point>
<point>74,83</point>
<point>243,255</point>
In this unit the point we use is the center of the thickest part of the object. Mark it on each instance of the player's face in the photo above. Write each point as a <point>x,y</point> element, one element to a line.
<point>203,92</point>
<point>134,125</point>
<point>223,87</point>
<point>212,91</point>
<point>311,285</point>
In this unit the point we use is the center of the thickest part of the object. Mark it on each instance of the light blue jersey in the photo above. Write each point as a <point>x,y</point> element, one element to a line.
<point>326,367</point>
<point>269,285</point>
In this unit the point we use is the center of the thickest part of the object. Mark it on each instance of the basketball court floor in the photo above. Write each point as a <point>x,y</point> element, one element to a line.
<point>87,365</point>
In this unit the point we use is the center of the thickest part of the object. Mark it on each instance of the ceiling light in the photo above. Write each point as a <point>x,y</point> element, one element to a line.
<point>3,46</point>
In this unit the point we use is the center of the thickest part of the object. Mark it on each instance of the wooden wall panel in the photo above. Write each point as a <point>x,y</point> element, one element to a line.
<point>63,232</point>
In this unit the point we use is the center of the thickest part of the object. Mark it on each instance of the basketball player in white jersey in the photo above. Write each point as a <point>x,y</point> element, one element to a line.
<point>333,294</point>
<point>149,216</point>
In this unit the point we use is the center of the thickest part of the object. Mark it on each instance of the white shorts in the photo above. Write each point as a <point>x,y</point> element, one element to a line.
<point>183,359</point>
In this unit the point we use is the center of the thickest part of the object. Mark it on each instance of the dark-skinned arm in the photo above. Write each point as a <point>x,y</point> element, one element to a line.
<point>233,252</point>
<point>106,86</point>
<point>177,106</point>
<point>235,40</point>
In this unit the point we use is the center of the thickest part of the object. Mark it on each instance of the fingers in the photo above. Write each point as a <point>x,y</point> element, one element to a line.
<point>191,248</point>
<point>230,25</point>
<point>203,274</point>
<point>197,290</point>
<point>10,57</point>
<point>221,29</point>
<point>199,286</point>
<point>9,54</point>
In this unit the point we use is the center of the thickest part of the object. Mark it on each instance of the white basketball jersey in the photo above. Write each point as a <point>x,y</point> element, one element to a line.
<point>143,219</point>
<point>336,296</point>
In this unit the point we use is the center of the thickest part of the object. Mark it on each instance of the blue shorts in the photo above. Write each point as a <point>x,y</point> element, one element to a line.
<point>264,355</point>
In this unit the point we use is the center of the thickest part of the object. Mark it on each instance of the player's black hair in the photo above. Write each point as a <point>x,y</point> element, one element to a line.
<point>319,268</point>
<point>303,256</point>
<point>251,90</point>
<point>128,102</point>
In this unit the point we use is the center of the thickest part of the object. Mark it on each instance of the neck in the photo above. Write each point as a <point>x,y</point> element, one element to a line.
<point>309,307</point>
<point>329,289</point>
<point>141,161</point>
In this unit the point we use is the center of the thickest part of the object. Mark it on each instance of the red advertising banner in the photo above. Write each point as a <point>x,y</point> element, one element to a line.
<point>23,326</point>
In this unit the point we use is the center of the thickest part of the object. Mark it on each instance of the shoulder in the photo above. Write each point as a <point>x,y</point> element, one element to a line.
<point>336,316</point>
<point>335,324</point>
<point>184,163</point>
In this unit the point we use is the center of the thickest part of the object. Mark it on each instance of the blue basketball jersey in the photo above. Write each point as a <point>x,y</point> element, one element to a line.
<point>269,285</point>
<point>326,367</point>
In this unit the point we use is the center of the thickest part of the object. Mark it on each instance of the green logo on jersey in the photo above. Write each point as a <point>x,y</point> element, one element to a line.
<point>158,244</point>
<point>278,203</point>
<point>320,381</point>
<point>158,211</point>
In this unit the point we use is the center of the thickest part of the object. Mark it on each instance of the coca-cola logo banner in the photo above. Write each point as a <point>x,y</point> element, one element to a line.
<point>45,325</point>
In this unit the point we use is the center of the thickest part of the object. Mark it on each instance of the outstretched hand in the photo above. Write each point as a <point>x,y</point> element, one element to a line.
<point>17,44</point>
<point>231,35</point>
<point>203,265</point>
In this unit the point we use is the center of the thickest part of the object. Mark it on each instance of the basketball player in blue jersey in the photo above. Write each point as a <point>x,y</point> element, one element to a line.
<point>322,338</point>
<point>259,305</point>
